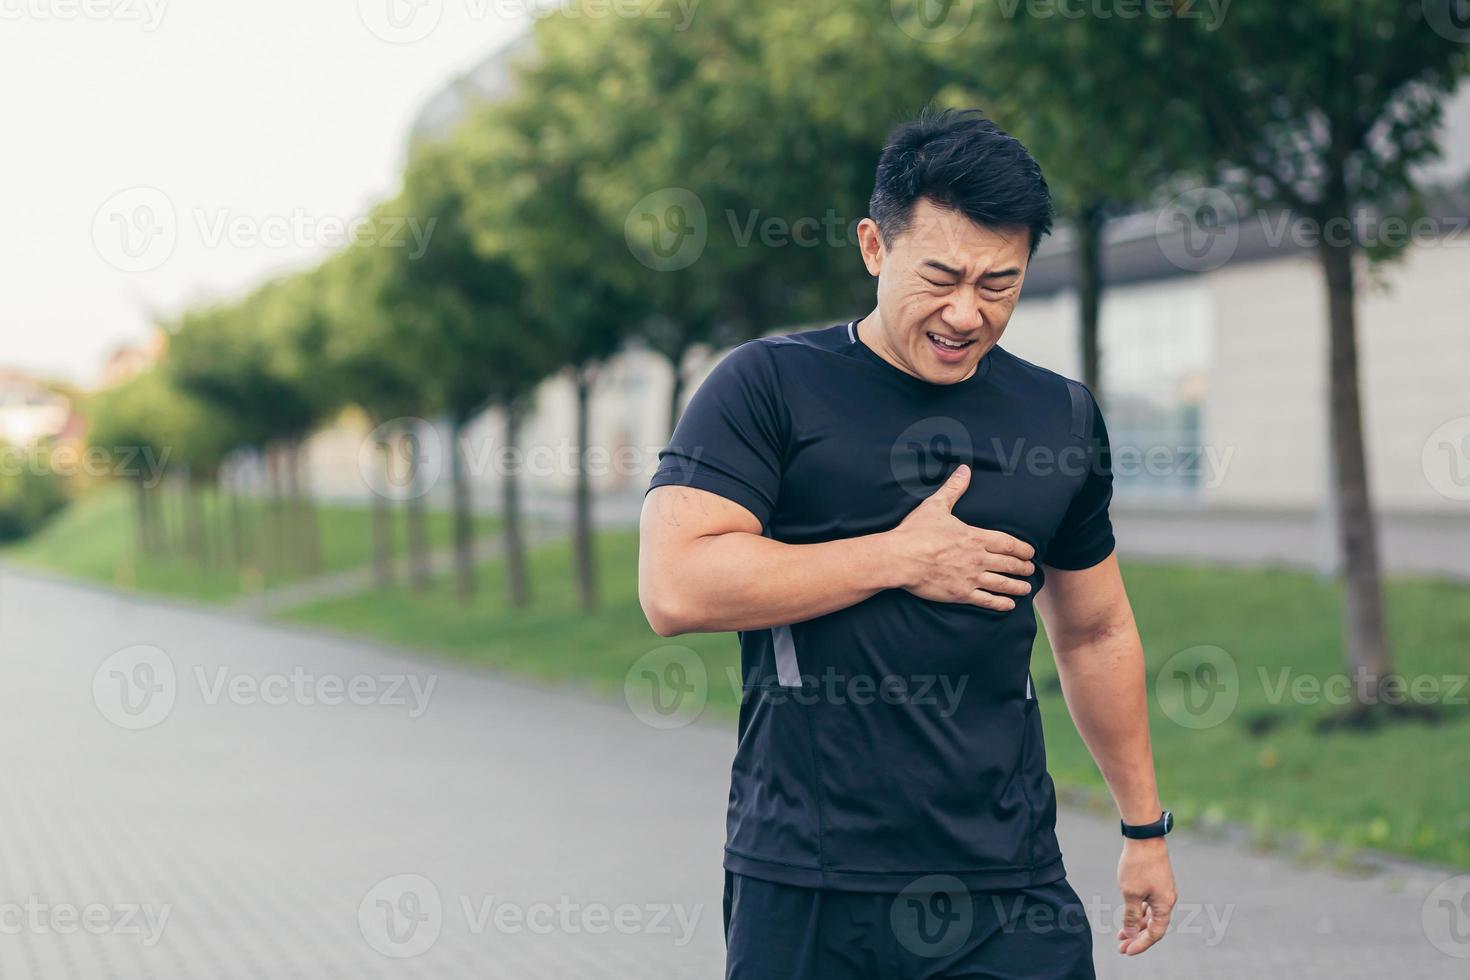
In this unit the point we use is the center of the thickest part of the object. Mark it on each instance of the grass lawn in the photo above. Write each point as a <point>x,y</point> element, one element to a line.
<point>1401,788</point>
<point>93,539</point>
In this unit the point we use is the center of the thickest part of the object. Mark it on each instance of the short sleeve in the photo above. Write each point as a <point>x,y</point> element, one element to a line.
<point>1085,536</point>
<point>731,438</point>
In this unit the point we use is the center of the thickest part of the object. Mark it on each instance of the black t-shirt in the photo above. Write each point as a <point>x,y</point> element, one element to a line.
<point>898,738</point>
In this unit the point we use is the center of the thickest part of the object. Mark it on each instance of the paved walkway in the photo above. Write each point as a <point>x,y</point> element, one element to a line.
<point>196,795</point>
<point>1411,544</point>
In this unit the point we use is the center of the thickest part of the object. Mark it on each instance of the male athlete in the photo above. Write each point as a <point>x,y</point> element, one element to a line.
<point>876,507</point>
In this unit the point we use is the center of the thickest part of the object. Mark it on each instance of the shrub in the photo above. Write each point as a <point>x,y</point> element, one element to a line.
<point>30,494</point>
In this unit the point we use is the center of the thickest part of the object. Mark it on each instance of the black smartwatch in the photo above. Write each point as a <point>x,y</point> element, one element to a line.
<point>1144,831</point>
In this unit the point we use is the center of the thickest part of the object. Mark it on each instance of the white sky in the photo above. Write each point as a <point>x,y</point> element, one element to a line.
<point>270,115</point>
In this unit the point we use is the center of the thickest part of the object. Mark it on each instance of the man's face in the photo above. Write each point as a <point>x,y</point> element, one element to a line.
<point>946,290</point>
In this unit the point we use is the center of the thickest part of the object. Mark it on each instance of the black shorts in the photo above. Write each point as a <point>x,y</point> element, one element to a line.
<point>933,930</point>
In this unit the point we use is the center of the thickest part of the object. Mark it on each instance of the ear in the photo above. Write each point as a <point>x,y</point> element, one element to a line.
<point>871,243</point>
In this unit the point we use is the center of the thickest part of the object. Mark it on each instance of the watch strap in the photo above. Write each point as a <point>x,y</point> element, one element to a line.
<point>1146,831</point>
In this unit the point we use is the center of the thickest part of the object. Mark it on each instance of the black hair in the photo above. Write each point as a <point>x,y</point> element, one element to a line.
<point>961,161</point>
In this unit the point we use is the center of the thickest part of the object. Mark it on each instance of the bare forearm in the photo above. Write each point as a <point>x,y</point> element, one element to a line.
<point>1105,684</point>
<point>743,581</point>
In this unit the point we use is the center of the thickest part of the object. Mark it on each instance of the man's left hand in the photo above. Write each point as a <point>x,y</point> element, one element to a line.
<point>1147,883</point>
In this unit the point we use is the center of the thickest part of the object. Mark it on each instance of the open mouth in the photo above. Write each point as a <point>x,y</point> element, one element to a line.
<point>947,348</point>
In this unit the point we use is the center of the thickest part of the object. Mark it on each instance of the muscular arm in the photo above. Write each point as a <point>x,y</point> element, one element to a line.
<point>704,567</point>
<point>1100,661</point>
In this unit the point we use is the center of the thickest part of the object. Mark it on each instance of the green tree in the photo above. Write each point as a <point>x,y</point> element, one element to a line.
<point>295,325</point>
<point>527,202</point>
<point>840,76</point>
<point>149,418</point>
<point>1050,82</point>
<point>736,163</point>
<point>1326,109</point>
<point>369,351</point>
<point>472,337</point>
<point>257,363</point>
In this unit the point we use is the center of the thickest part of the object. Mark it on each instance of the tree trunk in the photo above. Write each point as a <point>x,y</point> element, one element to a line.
<point>516,576</point>
<point>419,573</point>
<point>158,516</point>
<point>190,546</point>
<point>463,518</point>
<point>148,536</point>
<point>142,533</point>
<point>582,542</point>
<point>192,512</point>
<point>304,537</point>
<point>275,512</point>
<point>1367,645</point>
<point>1089,258</point>
<point>382,517</point>
<point>295,550</point>
<point>164,518</point>
<point>237,524</point>
<point>220,554</point>
<point>309,524</point>
<point>676,396</point>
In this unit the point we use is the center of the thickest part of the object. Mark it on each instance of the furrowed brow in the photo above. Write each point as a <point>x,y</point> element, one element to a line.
<point>941,267</point>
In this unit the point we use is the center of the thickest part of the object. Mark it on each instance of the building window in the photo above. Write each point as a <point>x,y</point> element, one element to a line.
<point>1156,341</point>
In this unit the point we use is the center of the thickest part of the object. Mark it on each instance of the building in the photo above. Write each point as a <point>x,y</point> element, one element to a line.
<point>30,412</point>
<point>488,80</point>
<point>1217,373</point>
<point>130,360</point>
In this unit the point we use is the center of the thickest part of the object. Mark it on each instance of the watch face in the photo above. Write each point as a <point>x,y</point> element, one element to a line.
<point>1168,821</point>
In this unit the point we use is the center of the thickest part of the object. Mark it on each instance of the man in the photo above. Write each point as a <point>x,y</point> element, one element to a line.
<point>875,507</point>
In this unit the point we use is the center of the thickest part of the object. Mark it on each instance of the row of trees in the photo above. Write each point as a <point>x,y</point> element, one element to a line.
<point>553,214</point>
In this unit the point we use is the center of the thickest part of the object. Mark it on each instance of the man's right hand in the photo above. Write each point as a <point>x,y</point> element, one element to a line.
<point>947,560</point>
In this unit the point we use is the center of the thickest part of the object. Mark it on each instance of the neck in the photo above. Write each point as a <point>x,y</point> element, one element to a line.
<point>871,331</point>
